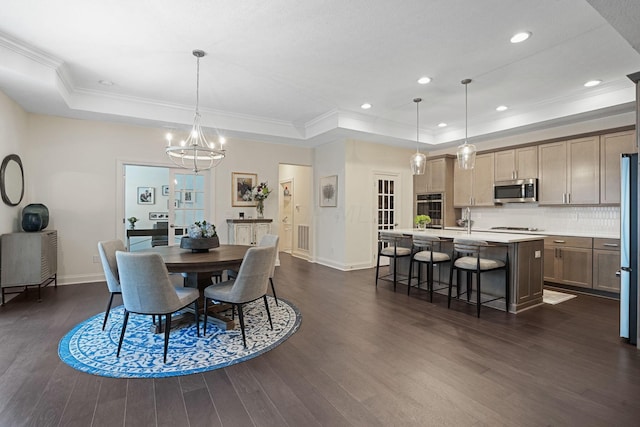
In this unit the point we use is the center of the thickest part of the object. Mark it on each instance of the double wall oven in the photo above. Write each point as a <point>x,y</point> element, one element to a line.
<point>431,204</point>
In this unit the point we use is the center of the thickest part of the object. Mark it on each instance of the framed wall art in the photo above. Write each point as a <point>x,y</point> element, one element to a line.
<point>154,216</point>
<point>329,191</point>
<point>187,196</point>
<point>146,196</point>
<point>241,185</point>
<point>165,190</point>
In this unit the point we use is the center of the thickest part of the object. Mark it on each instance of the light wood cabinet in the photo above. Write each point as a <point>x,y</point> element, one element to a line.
<point>474,187</point>
<point>437,176</point>
<point>247,231</point>
<point>518,163</point>
<point>569,172</point>
<point>611,147</point>
<point>606,261</point>
<point>568,260</point>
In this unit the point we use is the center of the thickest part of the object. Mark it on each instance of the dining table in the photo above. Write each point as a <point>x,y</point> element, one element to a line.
<point>198,268</point>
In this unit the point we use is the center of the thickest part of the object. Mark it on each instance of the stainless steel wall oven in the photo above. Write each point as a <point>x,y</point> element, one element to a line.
<point>431,204</point>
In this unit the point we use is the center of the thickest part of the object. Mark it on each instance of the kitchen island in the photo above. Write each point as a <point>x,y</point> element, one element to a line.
<point>526,268</point>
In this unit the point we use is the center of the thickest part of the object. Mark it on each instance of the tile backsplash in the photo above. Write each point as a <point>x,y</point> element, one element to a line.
<point>566,219</point>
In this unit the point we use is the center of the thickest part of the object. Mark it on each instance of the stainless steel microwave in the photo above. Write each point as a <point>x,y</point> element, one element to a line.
<point>516,191</point>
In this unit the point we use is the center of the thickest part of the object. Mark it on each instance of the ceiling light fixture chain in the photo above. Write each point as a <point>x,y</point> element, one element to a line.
<point>418,161</point>
<point>196,153</point>
<point>466,153</point>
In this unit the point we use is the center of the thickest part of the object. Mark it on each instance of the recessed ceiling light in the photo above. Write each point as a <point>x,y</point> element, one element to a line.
<point>520,37</point>
<point>106,82</point>
<point>501,108</point>
<point>442,125</point>
<point>424,80</point>
<point>365,106</point>
<point>592,83</point>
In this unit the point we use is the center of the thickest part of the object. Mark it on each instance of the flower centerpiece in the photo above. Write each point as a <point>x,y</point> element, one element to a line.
<point>201,236</point>
<point>259,193</point>
<point>422,220</point>
<point>132,222</point>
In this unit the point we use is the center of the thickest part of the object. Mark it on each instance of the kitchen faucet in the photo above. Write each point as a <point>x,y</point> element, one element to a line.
<point>468,217</point>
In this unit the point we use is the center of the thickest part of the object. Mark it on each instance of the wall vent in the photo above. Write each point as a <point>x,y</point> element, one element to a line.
<point>303,237</point>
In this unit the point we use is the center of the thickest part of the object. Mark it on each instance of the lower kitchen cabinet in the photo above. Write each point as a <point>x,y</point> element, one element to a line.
<point>606,261</point>
<point>247,231</point>
<point>569,260</point>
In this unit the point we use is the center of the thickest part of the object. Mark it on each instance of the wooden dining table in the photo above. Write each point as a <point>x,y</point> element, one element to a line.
<point>200,266</point>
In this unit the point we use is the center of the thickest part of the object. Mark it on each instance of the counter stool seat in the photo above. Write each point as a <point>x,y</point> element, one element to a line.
<point>388,245</point>
<point>467,257</point>
<point>424,253</point>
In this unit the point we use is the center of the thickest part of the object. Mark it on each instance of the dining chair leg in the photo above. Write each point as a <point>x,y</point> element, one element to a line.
<point>197,315</point>
<point>106,314</point>
<point>469,285</point>
<point>430,280</point>
<point>241,317</point>
<point>395,273</point>
<point>410,276</point>
<point>377,269</point>
<point>450,286</point>
<point>266,305</point>
<point>206,309</point>
<point>167,330</point>
<point>273,289</point>
<point>124,327</point>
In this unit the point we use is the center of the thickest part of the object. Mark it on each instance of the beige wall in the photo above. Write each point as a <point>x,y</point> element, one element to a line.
<point>13,140</point>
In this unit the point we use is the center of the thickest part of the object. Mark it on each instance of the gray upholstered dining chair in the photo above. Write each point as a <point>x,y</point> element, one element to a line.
<point>147,289</point>
<point>107,250</point>
<point>250,284</point>
<point>271,240</point>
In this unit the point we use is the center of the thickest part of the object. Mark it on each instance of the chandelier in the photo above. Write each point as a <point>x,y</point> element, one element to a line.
<point>195,152</point>
<point>466,152</point>
<point>418,161</point>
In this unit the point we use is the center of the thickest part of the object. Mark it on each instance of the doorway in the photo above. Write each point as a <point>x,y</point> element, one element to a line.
<point>387,207</point>
<point>295,209</point>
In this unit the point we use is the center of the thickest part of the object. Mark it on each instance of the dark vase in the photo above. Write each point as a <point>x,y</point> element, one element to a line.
<point>35,208</point>
<point>31,221</point>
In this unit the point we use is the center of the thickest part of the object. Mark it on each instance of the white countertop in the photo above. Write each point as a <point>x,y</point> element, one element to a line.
<point>545,232</point>
<point>475,235</point>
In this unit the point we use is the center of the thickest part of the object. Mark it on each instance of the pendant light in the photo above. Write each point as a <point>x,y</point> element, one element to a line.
<point>466,153</point>
<point>418,161</point>
<point>195,152</point>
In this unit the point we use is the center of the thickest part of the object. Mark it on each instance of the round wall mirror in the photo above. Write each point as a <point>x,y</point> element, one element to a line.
<point>12,180</point>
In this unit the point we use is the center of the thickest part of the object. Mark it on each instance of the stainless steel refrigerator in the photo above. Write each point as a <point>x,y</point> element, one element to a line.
<point>629,247</point>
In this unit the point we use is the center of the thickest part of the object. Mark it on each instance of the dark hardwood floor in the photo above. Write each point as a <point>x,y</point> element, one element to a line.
<point>362,357</point>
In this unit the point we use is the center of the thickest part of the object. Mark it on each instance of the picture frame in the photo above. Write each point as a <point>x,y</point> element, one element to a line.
<point>329,191</point>
<point>165,190</point>
<point>155,216</point>
<point>241,183</point>
<point>146,196</point>
<point>187,196</point>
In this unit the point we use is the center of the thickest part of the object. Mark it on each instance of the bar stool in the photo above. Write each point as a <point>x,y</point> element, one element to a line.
<point>388,246</point>
<point>423,253</point>
<point>467,257</point>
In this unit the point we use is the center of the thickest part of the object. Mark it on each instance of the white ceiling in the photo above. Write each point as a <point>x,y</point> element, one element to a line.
<point>297,71</point>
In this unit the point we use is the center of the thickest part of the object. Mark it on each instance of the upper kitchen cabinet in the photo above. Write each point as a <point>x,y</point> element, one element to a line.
<point>519,163</point>
<point>474,187</point>
<point>437,178</point>
<point>611,147</point>
<point>569,172</point>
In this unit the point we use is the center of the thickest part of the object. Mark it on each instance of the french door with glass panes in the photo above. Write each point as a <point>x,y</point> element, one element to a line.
<point>387,203</point>
<point>189,201</point>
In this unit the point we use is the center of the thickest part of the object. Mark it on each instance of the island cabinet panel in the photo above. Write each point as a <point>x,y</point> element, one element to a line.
<point>606,262</point>
<point>611,147</point>
<point>528,274</point>
<point>518,163</point>
<point>568,260</point>
<point>474,187</point>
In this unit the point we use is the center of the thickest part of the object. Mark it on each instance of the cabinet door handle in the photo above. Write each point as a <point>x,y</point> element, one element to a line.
<point>559,241</point>
<point>568,198</point>
<point>610,245</point>
<point>560,252</point>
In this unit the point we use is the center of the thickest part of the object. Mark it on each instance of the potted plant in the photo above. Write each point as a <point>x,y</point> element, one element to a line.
<point>132,222</point>
<point>201,237</point>
<point>421,221</point>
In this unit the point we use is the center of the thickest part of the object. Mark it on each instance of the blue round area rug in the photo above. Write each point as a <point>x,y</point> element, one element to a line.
<point>88,348</point>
